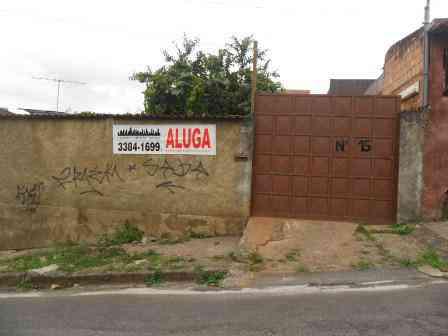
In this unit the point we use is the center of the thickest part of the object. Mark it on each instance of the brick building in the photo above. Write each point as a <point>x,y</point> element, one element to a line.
<point>403,67</point>
<point>424,133</point>
<point>403,70</point>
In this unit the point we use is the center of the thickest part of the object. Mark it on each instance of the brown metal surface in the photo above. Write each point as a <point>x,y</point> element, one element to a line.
<point>326,157</point>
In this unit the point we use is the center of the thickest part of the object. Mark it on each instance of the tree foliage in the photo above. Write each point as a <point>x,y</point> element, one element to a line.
<point>194,83</point>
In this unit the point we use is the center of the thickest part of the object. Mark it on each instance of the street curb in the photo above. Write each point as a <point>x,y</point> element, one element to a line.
<point>65,281</point>
<point>433,272</point>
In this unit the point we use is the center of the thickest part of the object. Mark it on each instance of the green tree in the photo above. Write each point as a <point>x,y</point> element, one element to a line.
<point>194,83</point>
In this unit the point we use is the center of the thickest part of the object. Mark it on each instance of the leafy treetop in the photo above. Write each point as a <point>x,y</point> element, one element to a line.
<point>194,83</point>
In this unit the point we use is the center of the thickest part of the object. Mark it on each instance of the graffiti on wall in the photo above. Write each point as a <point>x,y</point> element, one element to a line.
<point>87,180</point>
<point>29,195</point>
<point>169,169</point>
<point>178,168</point>
<point>170,186</point>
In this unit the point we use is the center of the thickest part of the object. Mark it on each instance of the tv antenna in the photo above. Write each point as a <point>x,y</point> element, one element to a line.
<point>59,81</point>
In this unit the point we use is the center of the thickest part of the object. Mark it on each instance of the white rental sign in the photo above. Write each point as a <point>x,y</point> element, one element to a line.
<point>185,139</point>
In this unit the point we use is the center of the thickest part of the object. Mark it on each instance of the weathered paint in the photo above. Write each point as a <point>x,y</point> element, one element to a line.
<point>60,181</point>
<point>326,157</point>
<point>410,176</point>
<point>436,138</point>
<point>423,177</point>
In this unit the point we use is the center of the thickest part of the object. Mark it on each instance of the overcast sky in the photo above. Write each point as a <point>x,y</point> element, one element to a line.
<point>102,43</point>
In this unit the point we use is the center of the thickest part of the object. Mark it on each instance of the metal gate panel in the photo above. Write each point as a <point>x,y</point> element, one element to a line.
<point>326,157</point>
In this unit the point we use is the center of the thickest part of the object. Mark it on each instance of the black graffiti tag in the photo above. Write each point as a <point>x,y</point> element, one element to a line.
<point>177,168</point>
<point>88,179</point>
<point>170,186</point>
<point>28,195</point>
<point>174,168</point>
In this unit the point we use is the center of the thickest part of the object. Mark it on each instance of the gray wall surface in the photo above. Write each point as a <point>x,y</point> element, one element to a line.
<point>410,176</point>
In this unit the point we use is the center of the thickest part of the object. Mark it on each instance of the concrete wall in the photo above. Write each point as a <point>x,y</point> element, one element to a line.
<point>410,172</point>
<point>60,181</point>
<point>436,138</point>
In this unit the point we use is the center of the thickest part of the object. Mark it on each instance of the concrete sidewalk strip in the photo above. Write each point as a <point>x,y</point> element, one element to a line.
<point>344,278</point>
<point>351,279</point>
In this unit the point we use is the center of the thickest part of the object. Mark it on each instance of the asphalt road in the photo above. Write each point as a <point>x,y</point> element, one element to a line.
<point>407,312</point>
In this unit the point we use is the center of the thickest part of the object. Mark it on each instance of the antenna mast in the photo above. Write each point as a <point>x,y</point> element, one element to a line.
<point>59,81</point>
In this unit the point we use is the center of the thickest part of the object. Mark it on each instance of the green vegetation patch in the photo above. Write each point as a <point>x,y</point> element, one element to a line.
<point>408,263</point>
<point>69,258</point>
<point>362,230</point>
<point>403,229</point>
<point>254,260</point>
<point>196,82</point>
<point>125,234</point>
<point>363,265</point>
<point>431,257</point>
<point>74,258</point>
<point>302,269</point>
<point>209,278</point>
<point>154,279</point>
<point>292,256</point>
<point>25,285</point>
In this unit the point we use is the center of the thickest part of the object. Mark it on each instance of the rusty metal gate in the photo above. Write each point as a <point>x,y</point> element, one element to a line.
<point>326,157</point>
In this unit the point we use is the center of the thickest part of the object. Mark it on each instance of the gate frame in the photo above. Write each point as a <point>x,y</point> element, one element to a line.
<point>396,156</point>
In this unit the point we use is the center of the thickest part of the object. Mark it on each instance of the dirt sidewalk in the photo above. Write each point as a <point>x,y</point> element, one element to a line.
<point>278,247</point>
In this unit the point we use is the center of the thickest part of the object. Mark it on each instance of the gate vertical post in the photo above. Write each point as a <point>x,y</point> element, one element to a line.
<point>254,79</point>
<point>252,120</point>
